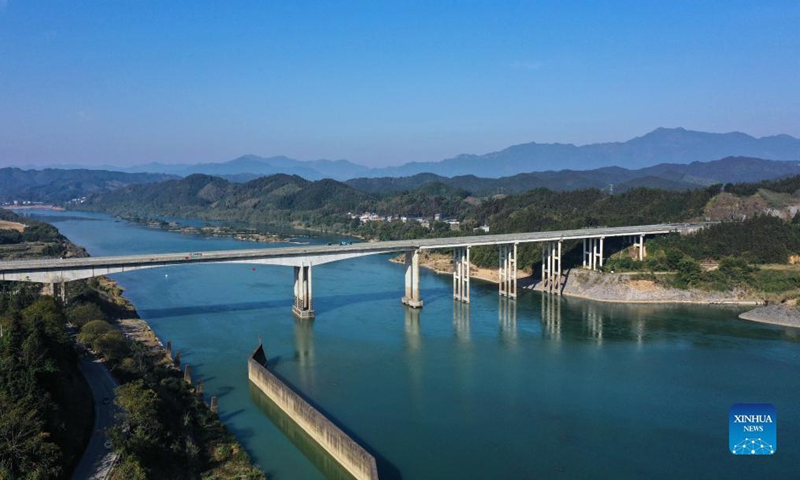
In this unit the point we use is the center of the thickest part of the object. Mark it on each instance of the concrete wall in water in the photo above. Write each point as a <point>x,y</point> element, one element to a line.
<point>338,444</point>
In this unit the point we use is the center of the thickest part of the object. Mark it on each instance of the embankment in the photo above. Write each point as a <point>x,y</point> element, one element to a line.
<point>354,458</point>
<point>623,288</point>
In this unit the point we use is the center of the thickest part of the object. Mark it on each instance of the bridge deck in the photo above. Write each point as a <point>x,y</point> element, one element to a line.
<point>322,251</point>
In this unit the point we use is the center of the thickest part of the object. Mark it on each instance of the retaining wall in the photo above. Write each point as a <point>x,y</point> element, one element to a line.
<point>338,444</point>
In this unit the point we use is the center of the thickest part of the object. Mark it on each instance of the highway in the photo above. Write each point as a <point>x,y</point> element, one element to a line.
<point>35,270</point>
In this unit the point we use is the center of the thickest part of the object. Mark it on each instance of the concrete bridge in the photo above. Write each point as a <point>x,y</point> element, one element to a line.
<point>59,271</point>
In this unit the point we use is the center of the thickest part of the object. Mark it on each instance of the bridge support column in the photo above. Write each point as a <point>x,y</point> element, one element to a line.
<point>600,252</point>
<point>411,297</point>
<point>585,255</point>
<point>593,253</point>
<point>461,274</point>
<point>63,293</point>
<point>641,248</point>
<point>507,270</point>
<point>302,292</point>
<point>551,267</point>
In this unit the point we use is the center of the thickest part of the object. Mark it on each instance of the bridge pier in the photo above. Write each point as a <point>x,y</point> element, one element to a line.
<point>461,274</point>
<point>302,292</point>
<point>507,270</point>
<point>411,297</point>
<point>551,267</point>
<point>641,248</point>
<point>593,253</point>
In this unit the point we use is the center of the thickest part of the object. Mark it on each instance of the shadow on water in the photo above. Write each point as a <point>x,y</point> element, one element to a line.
<point>303,441</point>
<point>209,309</point>
<point>310,448</point>
<point>326,302</point>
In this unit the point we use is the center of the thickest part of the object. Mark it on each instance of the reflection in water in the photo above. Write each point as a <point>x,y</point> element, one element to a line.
<point>412,328</point>
<point>304,349</point>
<point>310,448</point>
<point>415,361</point>
<point>639,328</point>
<point>593,319</point>
<point>551,315</point>
<point>507,320</point>
<point>461,321</point>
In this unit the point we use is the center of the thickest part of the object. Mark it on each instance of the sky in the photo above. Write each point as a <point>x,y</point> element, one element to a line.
<point>382,82</point>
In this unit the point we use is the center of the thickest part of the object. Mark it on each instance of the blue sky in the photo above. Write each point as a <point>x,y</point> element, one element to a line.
<point>382,82</point>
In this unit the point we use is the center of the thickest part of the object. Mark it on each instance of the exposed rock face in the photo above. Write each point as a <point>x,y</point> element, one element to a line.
<point>629,289</point>
<point>786,315</point>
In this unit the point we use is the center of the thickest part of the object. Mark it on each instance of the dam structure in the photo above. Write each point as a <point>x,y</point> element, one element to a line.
<point>346,451</point>
<point>57,272</point>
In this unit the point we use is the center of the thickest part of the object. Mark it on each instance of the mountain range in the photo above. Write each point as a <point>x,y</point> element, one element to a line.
<point>54,185</point>
<point>663,145</point>
<point>665,176</point>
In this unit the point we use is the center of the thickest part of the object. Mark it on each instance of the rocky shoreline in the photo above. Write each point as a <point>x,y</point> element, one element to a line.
<point>601,287</point>
<point>624,288</point>
<point>783,314</point>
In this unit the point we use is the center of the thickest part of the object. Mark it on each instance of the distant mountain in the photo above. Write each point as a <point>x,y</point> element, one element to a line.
<point>666,176</point>
<point>672,146</point>
<point>56,185</point>
<point>663,145</point>
<point>260,166</point>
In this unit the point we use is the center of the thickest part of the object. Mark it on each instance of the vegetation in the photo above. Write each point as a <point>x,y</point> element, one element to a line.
<point>45,404</point>
<point>165,430</point>
<point>35,240</point>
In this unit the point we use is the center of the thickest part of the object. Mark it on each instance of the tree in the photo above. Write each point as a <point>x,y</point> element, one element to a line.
<point>94,330</point>
<point>689,272</point>
<point>84,313</point>
<point>113,345</point>
<point>139,415</point>
<point>25,451</point>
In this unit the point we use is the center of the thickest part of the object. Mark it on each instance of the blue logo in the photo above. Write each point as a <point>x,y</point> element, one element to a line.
<point>752,429</point>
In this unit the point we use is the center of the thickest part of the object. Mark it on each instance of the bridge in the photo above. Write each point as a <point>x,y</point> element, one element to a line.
<point>52,272</point>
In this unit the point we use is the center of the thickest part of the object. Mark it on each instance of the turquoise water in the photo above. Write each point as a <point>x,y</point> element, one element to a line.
<point>537,388</point>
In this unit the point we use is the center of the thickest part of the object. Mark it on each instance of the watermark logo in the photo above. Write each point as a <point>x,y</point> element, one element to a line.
<point>752,429</point>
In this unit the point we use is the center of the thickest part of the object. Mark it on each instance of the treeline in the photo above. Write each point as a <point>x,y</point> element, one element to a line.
<point>45,404</point>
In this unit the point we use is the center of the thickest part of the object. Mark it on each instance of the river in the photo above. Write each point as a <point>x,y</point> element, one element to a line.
<point>537,388</point>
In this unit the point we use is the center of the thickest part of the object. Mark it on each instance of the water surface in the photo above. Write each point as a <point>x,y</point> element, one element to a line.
<point>535,388</point>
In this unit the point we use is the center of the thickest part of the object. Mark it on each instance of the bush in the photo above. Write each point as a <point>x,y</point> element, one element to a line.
<point>689,272</point>
<point>93,330</point>
<point>84,313</point>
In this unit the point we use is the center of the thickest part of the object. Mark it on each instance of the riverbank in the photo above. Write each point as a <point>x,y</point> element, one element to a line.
<point>220,455</point>
<point>443,265</point>
<point>241,234</point>
<point>597,286</point>
<point>631,288</point>
<point>784,315</point>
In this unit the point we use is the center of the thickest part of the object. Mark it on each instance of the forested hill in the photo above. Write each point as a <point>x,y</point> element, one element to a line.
<point>55,185</point>
<point>289,199</point>
<point>273,199</point>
